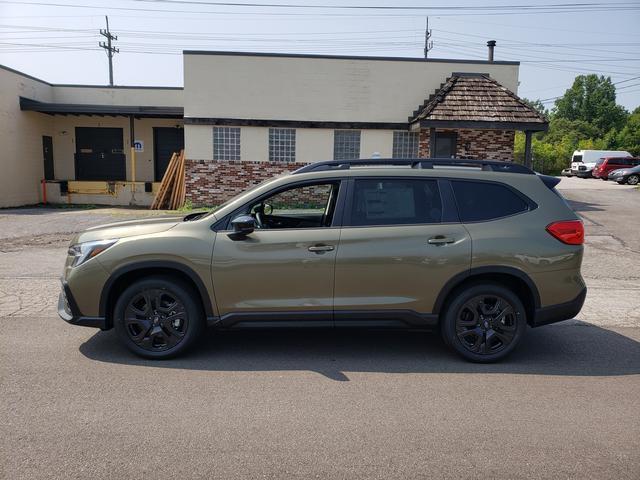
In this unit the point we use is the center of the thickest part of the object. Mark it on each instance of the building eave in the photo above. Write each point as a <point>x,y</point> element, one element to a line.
<point>255,122</point>
<point>346,57</point>
<point>139,111</point>
<point>483,125</point>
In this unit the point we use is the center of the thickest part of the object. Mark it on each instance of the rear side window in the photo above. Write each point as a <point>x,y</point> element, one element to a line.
<point>395,202</point>
<point>479,201</point>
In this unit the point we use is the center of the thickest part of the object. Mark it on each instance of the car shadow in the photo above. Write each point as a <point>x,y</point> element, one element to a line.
<point>577,350</point>
<point>577,206</point>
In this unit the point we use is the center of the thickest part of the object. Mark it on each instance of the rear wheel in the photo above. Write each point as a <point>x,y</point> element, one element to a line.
<point>158,317</point>
<point>633,179</point>
<point>484,322</point>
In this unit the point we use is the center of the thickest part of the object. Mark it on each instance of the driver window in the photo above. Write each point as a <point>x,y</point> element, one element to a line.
<point>308,206</point>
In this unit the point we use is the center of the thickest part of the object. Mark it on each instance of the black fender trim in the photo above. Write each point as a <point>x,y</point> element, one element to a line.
<point>456,280</point>
<point>560,311</point>
<point>167,265</point>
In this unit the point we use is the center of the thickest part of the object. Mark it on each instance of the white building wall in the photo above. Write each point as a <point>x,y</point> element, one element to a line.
<point>320,89</point>
<point>148,96</point>
<point>376,141</point>
<point>21,158</point>
<point>312,144</point>
<point>198,142</point>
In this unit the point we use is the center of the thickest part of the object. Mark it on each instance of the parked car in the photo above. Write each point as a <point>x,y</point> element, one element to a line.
<point>608,164</point>
<point>584,161</point>
<point>626,175</point>
<point>341,244</point>
<point>566,172</point>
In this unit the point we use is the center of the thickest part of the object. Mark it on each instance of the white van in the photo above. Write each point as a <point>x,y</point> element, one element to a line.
<point>583,161</point>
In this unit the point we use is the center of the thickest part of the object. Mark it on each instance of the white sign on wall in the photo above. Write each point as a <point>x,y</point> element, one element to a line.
<point>138,145</point>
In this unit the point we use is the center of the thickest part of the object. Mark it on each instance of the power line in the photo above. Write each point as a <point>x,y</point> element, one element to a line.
<point>473,11</point>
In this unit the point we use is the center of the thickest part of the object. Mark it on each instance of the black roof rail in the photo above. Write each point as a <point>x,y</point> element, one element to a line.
<point>486,165</point>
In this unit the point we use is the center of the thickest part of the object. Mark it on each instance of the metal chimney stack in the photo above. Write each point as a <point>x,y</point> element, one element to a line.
<point>491,44</point>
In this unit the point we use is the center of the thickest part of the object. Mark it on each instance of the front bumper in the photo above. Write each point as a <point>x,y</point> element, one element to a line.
<point>69,312</point>
<point>559,312</point>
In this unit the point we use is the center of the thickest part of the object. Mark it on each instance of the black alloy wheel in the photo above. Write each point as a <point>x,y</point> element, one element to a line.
<point>158,317</point>
<point>156,320</point>
<point>486,324</point>
<point>483,322</point>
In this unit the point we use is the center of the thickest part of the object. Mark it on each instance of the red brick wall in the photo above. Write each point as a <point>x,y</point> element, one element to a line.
<point>211,182</point>
<point>475,144</point>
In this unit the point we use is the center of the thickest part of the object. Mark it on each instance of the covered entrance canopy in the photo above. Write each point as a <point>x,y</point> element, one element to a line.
<point>100,151</point>
<point>468,103</point>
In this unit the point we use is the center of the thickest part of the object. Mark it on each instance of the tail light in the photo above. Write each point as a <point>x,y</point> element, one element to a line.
<point>570,232</point>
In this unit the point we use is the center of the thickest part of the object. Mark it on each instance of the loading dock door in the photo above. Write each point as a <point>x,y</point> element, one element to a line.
<point>166,140</point>
<point>100,154</point>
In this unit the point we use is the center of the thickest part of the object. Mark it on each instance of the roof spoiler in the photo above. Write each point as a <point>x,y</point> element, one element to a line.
<point>549,181</point>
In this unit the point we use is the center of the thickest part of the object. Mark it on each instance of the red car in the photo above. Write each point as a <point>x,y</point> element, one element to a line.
<point>606,165</point>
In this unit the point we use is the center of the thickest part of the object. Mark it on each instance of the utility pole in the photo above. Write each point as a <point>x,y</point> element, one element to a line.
<point>109,49</point>
<point>428,44</point>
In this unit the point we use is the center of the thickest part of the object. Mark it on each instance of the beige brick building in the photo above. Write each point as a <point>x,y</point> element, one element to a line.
<point>244,117</point>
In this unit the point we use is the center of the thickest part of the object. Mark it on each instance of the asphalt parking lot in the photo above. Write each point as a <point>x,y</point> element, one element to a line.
<point>74,404</point>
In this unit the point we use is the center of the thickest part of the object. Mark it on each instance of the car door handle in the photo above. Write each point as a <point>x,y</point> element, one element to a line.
<point>321,248</point>
<point>440,240</point>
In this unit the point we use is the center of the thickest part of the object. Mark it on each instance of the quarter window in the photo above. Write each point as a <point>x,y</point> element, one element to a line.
<point>395,202</point>
<point>346,144</point>
<point>478,201</point>
<point>282,145</point>
<point>226,143</point>
<point>405,144</point>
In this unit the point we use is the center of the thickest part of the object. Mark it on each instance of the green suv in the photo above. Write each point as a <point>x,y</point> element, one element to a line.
<point>476,249</point>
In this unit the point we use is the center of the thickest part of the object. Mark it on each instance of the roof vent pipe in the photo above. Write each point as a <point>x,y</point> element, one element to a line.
<point>491,44</point>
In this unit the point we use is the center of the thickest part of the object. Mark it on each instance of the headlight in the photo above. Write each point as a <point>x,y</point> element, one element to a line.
<point>82,252</point>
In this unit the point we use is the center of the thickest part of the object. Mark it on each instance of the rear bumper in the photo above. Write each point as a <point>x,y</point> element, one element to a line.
<point>559,312</point>
<point>69,312</point>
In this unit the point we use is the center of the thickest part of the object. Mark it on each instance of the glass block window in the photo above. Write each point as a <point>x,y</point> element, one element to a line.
<point>226,143</point>
<point>282,144</point>
<point>346,144</point>
<point>405,144</point>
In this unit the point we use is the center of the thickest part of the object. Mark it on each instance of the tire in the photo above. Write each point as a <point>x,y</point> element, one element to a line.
<point>158,317</point>
<point>467,322</point>
<point>633,179</point>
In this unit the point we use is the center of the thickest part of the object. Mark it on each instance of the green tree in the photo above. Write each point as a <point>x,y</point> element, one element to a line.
<point>537,105</point>
<point>629,137</point>
<point>592,99</point>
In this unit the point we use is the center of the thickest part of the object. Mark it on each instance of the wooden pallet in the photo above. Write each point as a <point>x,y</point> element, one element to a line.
<point>172,191</point>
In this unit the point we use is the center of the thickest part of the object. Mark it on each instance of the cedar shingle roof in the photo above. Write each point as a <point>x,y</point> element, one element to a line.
<point>477,98</point>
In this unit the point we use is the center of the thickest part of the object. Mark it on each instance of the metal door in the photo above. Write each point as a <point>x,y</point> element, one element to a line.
<point>100,154</point>
<point>166,140</point>
<point>47,155</point>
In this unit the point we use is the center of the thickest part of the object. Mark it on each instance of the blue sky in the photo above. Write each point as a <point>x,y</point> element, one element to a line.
<point>56,40</point>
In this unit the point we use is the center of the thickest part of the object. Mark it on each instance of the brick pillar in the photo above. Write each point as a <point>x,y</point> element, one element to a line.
<point>424,143</point>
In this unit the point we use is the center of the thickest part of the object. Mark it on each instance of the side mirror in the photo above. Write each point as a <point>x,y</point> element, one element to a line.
<point>243,225</point>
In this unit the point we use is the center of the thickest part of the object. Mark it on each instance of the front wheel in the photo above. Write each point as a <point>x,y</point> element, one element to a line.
<point>158,317</point>
<point>633,179</point>
<point>484,322</point>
